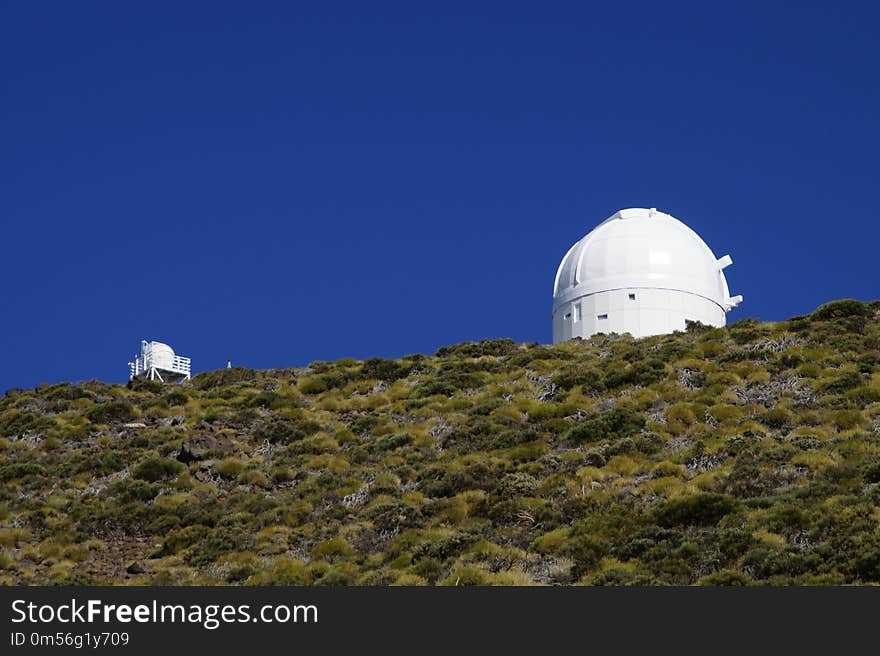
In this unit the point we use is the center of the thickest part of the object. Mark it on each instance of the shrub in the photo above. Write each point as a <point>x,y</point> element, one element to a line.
<point>776,418</point>
<point>486,347</point>
<point>616,423</point>
<point>314,385</point>
<point>648,443</point>
<point>587,377</point>
<point>846,419</point>
<point>642,372</point>
<point>619,576</point>
<point>468,576</point>
<point>696,509</point>
<point>846,381</point>
<point>229,468</point>
<point>871,471</point>
<point>16,422</point>
<point>390,442</point>
<point>382,369</point>
<point>141,384</point>
<point>744,330</point>
<point>364,424</point>
<point>846,307</point>
<point>130,490</point>
<point>331,549</point>
<point>16,470</point>
<point>334,577</point>
<point>432,388</point>
<point>112,411</point>
<point>175,397</point>
<point>285,431</point>
<point>585,550</point>
<point>681,412</point>
<point>864,395</point>
<point>156,469</point>
<point>218,542</point>
<point>222,377</point>
<point>725,577</point>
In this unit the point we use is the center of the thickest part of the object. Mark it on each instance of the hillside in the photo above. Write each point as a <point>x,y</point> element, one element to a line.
<point>748,454</point>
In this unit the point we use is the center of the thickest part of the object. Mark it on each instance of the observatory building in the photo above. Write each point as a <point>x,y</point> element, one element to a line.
<point>641,272</point>
<point>157,360</point>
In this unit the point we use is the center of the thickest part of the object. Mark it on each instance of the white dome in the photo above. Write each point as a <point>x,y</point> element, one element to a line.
<point>641,249</point>
<point>162,356</point>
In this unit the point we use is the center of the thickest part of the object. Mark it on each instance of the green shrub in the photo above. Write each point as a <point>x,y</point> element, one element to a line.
<point>331,549</point>
<point>382,369</point>
<point>322,382</point>
<point>585,550</point>
<point>16,422</point>
<point>618,576</point>
<point>432,388</point>
<point>334,577</point>
<point>468,576</point>
<point>588,378</point>
<point>175,397</point>
<point>846,307</point>
<point>696,509</point>
<point>726,578</point>
<point>846,381</point>
<point>864,395</point>
<point>17,470</point>
<point>776,418</point>
<point>112,411</point>
<point>616,423</point>
<point>363,424</point>
<point>156,469</point>
<point>285,431</point>
<point>390,442</point>
<point>222,377</point>
<point>314,385</point>
<point>871,471</point>
<point>218,542</point>
<point>846,419</point>
<point>642,372</point>
<point>133,489</point>
<point>230,468</point>
<point>486,347</point>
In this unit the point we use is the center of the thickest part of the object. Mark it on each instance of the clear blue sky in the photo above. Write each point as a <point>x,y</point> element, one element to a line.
<point>292,181</point>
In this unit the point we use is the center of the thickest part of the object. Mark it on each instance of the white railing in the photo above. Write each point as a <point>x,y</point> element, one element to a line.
<point>181,365</point>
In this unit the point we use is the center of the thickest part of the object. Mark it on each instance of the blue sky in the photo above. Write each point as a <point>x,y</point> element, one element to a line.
<point>284,182</point>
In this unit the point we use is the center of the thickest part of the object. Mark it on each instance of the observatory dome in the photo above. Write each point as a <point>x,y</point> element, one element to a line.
<point>163,356</point>
<point>640,271</point>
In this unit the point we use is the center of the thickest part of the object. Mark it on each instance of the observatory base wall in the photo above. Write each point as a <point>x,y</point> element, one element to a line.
<point>638,311</point>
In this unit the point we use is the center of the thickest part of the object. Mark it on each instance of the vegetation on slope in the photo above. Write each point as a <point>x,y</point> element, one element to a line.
<point>749,454</point>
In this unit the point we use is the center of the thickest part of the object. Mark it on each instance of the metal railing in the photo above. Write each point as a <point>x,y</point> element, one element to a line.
<point>179,365</point>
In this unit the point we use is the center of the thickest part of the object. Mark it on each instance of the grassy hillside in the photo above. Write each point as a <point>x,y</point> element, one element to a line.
<point>749,454</point>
